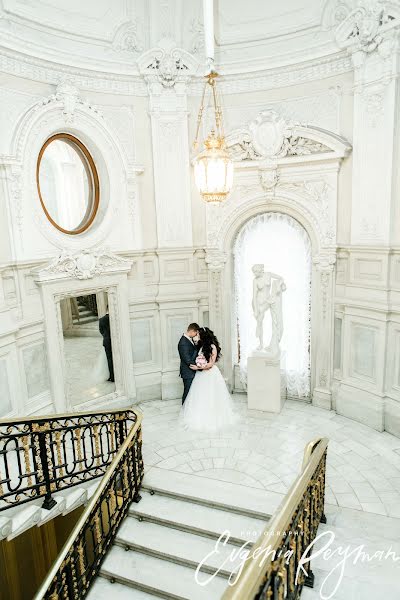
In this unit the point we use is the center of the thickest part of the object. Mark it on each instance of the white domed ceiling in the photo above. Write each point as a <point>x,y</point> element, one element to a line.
<point>109,35</point>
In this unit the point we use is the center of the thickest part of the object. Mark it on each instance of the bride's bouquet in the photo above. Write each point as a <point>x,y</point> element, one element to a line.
<point>201,361</point>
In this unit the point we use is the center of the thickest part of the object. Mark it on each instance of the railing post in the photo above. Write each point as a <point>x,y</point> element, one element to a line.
<point>48,502</point>
<point>121,432</point>
<point>310,578</point>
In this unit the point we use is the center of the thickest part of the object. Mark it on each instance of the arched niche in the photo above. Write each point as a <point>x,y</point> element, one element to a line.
<point>293,170</point>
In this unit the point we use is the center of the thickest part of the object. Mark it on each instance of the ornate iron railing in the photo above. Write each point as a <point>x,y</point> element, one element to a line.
<point>274,568</point>
<point>40,456</point>
<point>79,561</point>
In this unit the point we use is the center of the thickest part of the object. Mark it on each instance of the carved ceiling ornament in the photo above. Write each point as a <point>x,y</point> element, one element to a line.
<point>127,40</point>
<point>83,265</point>
<point>168,63</point>
<point>365,27</point>
<point>269,136</point>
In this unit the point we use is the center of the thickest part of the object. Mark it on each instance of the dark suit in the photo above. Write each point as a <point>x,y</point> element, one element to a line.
<point>187,352</point>
<point>104,328</point>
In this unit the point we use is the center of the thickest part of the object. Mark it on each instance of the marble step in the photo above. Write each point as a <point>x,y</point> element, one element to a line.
<point>179,547</point>
<point>159,577</point>
<point>84,320</point>
<point>17,519</point>
<point>211,522</point>
<point>103,589</point>
<point>242,500</point>
<point>83,314</point>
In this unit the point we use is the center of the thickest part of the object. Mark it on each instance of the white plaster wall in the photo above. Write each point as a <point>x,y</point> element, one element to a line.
<point>168,286</point>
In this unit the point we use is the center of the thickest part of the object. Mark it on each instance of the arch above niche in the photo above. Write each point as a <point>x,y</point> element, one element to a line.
<point>277,160</point>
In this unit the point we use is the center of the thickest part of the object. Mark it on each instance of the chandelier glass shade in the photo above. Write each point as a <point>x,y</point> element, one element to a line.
<point>213,167</point>
<point>213,170</point>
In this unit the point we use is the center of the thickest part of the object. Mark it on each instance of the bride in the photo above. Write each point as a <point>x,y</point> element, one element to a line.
<point>208,406</point>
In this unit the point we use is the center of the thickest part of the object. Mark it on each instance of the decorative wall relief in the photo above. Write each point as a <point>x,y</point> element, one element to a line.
<point>127,39</point>
<point>215,261</point>
<point>83,265</point>
<point>269,177</point>
<point>16,190</point>
<point>365,27</point>
<point>317,192</point>
<point>270,136</point>
<point>68,95</point>
<point>167,64</point>
<point>374,105</point>
<point>197,30</point>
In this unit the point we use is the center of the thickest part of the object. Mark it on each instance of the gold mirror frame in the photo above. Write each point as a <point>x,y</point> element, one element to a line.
<point>92,175</point>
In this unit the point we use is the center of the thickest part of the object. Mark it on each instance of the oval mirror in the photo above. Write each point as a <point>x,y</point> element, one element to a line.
<point>68,183</point>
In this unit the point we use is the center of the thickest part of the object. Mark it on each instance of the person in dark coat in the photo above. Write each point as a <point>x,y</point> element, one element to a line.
<point>104,328</point>
<point>188,352</point>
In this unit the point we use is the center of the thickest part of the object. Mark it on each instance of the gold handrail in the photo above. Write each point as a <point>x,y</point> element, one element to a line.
<point>70,415</point>
<point>248,584</point>
<point>34,435</point>
<point>86,513</point>
<point>308,450</point>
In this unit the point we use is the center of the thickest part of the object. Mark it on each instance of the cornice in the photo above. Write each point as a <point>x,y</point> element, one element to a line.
<point>45,71</point>
<point>313,70</point>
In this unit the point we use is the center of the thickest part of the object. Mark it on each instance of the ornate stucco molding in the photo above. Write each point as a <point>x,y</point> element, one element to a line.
<point>368,27</point>
<point>83,265</point>
<point>215,260</point>
<point>270,142</point>
<point>167,64</point>
<point>271,137</point>
<point>68,96</point>
<point>127,39</point>
<point>43,70</point>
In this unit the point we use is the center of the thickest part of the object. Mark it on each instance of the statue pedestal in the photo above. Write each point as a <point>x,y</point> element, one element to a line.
<point>264,383</point>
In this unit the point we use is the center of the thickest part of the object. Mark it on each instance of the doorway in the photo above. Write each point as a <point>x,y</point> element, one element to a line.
<point>89,372</point>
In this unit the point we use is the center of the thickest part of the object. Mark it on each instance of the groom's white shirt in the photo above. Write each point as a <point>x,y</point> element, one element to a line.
<point>188,338</point>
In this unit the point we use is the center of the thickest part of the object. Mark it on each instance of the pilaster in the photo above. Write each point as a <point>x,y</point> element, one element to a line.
<point>167,71</point>
<point>322,330</point>
<point>371,35</point>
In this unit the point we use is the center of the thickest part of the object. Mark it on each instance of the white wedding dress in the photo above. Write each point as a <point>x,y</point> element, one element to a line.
<point>100,372</point>
<point>208,406</point>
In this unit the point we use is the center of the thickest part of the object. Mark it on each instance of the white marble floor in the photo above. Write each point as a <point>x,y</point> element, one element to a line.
<point>81,354</point>
<point>265,451</point>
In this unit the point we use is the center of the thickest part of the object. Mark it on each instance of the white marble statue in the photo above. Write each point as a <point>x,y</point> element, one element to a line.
<point>267,295</point>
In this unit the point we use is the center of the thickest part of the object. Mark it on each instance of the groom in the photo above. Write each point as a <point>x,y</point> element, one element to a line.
<point>187,352</point>
<point>104,328</point>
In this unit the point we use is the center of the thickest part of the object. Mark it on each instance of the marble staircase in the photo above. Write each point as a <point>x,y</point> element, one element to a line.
<point>86,325</point>
<point>17,519</point>
<point>168,533</point>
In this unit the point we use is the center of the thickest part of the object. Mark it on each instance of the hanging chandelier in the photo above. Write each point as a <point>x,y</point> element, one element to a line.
<point>213,168</point>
